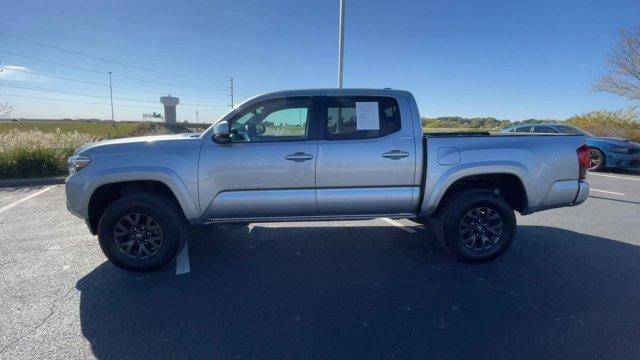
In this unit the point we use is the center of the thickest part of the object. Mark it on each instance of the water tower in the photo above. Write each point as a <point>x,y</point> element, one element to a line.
<point>170,104</point>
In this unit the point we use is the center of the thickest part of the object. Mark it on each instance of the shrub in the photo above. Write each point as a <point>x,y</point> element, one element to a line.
<point>623,123</point>
<point>35,153</point>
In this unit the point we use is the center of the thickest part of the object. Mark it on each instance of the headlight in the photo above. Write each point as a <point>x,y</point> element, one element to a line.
<point>620,150</point>
<point>77,162</point>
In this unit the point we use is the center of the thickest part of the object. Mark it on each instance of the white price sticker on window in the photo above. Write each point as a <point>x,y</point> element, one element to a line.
<point>367,117</point>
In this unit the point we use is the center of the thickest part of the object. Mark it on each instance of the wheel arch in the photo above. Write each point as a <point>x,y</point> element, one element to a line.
<point>508,184</point>
<point>115,184</point>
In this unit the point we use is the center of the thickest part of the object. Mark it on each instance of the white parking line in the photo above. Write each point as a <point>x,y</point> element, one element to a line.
<point>7,207</point>
<point>182,261</point>
<point>401,226</point>
<point>607,192</point>
<point>615,176</point>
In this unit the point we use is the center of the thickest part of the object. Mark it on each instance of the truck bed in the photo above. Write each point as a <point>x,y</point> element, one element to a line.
<point>545,164</point>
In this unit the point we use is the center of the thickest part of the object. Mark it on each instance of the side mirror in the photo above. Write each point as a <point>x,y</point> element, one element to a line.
<point>221,133</point>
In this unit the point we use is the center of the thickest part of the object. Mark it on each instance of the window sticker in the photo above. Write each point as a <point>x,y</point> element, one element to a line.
<point>367,116</point>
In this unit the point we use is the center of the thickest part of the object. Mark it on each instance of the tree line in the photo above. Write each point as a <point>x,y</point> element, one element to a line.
<point>475,123</point>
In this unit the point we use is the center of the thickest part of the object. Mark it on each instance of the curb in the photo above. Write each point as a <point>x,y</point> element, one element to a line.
<point>32,182</point>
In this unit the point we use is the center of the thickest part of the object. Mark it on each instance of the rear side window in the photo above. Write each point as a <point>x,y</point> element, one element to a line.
<point>570,130</point>
<point>361,117</point>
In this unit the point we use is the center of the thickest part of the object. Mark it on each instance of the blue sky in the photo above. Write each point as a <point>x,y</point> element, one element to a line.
<point>508,59</point>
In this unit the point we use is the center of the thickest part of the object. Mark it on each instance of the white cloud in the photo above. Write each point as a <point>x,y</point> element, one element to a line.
<point>15,67</point>
<point>14,72</point>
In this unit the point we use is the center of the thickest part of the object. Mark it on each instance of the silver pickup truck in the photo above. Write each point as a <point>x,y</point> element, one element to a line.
<point>328,154</point>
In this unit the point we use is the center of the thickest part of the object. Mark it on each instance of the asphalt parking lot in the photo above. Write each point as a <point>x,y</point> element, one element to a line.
<point>567,288</point>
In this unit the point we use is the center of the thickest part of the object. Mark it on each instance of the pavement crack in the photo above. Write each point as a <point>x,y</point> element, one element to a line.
<point>7,262</point>
<point>52,310</point>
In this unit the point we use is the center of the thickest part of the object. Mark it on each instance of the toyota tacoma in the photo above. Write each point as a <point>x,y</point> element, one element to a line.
<point>327,154</point>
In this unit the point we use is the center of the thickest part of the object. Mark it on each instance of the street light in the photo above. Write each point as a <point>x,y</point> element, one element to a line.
<point>341,44</point>
<point>111,96</point>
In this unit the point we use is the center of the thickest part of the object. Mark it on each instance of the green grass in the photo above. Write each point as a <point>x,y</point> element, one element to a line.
<point>103,130</point>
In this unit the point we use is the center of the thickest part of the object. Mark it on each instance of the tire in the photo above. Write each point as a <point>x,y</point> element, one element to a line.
<point>141,232</point>
<point>597,161</point>
<point>483,238</point>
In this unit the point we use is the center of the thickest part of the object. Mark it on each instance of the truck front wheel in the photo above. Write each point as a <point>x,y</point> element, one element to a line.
<point>476,225</point>
<point>140,232</point>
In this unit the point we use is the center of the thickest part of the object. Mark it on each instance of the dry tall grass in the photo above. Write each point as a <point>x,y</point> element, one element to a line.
<point>35,153</point>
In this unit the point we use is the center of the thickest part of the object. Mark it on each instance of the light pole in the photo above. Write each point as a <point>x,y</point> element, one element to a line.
<point>230,87</point>
<point>341,44</point>
<point>111,95</point>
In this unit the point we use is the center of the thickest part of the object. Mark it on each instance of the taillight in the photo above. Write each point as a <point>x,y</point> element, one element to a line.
<point>584,160</point>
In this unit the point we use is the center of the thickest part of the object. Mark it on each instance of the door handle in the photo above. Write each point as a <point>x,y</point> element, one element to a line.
<point>395,154</point>
<point>299,157</point>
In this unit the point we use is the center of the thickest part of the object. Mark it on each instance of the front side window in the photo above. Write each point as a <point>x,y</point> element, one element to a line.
<point>544,129</point>
<point>523,129</point>
<point>361,117</point>
<point>272,120</point>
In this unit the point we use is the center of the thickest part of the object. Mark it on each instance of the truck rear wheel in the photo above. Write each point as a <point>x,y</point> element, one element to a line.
<point>141,232</point>
<point>476,226</point>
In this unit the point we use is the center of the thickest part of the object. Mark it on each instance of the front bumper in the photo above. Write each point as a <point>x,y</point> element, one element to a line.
<point>75,186</point>
<point>623,161</point>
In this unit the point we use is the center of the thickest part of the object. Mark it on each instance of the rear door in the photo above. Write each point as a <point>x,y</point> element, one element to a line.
<point>366,156</point>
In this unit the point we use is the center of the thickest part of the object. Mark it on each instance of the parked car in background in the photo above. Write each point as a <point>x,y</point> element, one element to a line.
<point>606,152</point>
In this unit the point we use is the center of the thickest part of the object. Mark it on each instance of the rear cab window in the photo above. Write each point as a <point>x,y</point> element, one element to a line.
<point>361,117</point>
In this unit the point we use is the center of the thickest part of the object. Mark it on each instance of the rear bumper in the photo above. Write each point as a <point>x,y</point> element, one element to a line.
<point>583,192</point>
<point>563,193</point>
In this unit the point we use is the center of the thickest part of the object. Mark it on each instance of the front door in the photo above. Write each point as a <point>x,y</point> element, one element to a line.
<point>366,157</point>
<point>268,168</point>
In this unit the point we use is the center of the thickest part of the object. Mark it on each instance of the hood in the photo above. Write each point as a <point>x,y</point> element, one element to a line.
<point>137,140</point>
<point>614,141</point>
